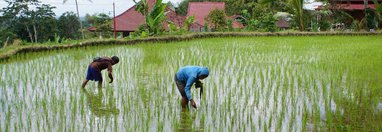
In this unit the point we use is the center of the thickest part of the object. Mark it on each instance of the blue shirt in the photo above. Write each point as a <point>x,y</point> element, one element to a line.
<point>189,75</point>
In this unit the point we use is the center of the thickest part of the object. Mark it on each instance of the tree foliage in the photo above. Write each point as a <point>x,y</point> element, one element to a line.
<point>378,12</point>
<point>69,26</point>
<point>254,11</point>
<point>34,25</point>
<point>78,16</point>
<point>101,22</point>
<point>217,19</point>
<point>371,19</point>
<point>154,18</point>
<point>187,23</point>
<point>299,13</point>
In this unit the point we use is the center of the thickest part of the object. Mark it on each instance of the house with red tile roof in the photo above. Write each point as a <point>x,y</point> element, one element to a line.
<point>353,7</point>
<point>200,11</point>
<point>130,20</point>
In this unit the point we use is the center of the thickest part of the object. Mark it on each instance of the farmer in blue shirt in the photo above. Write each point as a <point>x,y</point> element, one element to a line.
<point>185,78</point>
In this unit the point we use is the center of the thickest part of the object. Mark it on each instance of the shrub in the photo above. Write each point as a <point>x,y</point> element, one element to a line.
<point>217,19</point>
<point>17,42</point>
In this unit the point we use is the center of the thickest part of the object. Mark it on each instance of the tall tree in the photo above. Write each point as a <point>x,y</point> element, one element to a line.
<point>79,19</point>
<point>275,5</point>
<point>8,20</point>
<point>69,25</point>
<point>182,8</point>
<point>45,25</point>
<point>29,24</point>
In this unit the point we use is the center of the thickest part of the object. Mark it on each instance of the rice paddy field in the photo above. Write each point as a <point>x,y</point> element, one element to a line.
<point>316,83</point>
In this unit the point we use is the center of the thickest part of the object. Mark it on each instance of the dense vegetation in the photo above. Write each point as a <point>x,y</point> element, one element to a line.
<point>21,24</point>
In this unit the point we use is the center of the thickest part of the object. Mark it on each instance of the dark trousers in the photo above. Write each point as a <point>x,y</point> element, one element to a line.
<point>180,86</point>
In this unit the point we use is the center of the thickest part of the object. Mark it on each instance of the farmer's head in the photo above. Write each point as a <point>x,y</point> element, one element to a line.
<point>203,73</point>
<point>115,60</point>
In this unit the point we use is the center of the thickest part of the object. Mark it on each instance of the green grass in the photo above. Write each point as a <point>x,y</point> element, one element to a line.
<point>316,83</point>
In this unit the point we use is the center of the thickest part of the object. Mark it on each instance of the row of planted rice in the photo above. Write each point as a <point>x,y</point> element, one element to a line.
<point>255,84</point>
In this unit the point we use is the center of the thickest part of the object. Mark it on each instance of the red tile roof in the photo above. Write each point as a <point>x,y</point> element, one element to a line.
<point>353,0</point>
<point>130,20</point>
<point>236,24</point>
<point>201,9</point>
<point>178,20</point>
<point>351,6</point>
<point>92,28</point>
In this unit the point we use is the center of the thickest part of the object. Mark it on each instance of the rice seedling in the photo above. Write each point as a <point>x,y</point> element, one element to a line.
<point>316,83</point>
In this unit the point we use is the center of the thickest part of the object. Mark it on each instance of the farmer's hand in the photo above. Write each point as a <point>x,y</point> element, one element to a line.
<point>111,77</point>
<point>198,84</point>
<point>193,104</point>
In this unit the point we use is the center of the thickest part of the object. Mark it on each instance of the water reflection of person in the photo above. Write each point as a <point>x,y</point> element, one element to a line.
<point>185,121</point>
<point>97,106</point>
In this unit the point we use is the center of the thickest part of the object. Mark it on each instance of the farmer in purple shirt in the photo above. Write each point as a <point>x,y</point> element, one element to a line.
<point>185,78</point>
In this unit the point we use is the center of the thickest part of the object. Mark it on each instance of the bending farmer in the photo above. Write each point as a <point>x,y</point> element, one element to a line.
<point>95,68</point>
<point>185,78</point>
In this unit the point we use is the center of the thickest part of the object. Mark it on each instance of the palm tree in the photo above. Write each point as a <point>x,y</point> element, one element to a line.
<point>78,15</point>
<point>298,10</point>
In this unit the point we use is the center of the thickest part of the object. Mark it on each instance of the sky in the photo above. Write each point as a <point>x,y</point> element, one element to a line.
<point>101,6</point>
<point>87,7</point>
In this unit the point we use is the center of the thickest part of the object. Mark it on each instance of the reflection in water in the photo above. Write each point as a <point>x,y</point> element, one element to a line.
<point>97,106</point>
<point>185,121</point>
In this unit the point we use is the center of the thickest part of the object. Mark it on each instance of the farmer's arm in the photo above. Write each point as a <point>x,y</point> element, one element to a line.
<point>187,88</point>
<point>110,70</point>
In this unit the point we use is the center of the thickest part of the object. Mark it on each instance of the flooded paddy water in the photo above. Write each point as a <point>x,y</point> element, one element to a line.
<point>255,84</point>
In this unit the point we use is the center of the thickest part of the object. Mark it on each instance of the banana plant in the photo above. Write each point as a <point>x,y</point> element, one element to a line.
<point>153,18</point>
<point>156,17</point>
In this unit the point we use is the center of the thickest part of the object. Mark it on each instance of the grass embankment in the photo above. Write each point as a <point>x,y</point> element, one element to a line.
<point>7,52</point>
